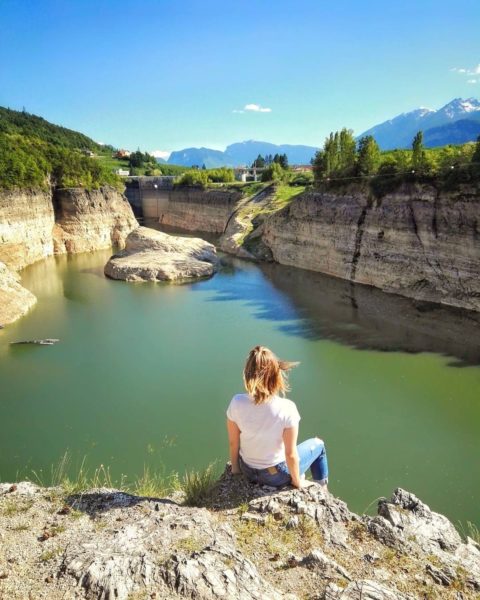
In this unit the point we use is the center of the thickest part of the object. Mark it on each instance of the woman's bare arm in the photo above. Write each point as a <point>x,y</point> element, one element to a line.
<point>290,435</point>
<point>234,444</point>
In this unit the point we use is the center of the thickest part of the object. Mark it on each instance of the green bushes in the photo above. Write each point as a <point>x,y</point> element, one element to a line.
<point>202,177</point>
<point>274,172</point>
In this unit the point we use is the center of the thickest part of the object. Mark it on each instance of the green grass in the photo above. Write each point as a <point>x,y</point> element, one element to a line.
<point>112,163</point>
<point>67,480</point>
<point>198,486</point>
<point>285,193</point>
<point>156,484</point>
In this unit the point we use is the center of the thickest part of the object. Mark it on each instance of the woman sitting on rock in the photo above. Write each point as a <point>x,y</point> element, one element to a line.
<point>263,428</point>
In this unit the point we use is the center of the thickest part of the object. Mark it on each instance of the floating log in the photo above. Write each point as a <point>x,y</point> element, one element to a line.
<point>45,342</point>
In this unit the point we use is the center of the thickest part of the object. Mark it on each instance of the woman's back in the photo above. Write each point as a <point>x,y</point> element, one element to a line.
<point>261,428</point>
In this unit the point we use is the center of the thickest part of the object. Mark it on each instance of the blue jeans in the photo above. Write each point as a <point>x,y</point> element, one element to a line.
<point>311,453</point>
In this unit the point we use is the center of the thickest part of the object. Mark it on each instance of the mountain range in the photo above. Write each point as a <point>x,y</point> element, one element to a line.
<point>457,122</point>
<point>240,153</point>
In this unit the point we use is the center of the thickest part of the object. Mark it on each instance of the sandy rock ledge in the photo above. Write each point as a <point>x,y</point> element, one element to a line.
<point>151,255</point>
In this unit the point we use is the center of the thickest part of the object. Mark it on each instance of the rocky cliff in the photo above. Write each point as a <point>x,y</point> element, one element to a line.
<point>416,242</point>
<point>250,542</point>
<point>90,220</point>
<point>199,210</point>
<point>26,224</point>
<point>36,224</point>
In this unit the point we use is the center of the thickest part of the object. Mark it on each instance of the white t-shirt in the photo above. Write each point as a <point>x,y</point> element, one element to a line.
<point>261,428</point>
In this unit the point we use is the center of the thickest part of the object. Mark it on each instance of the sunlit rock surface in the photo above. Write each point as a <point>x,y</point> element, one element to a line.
<point>151,255</point>
<point>249,542</point>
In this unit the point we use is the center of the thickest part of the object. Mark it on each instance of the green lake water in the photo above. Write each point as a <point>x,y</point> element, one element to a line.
<point>144,372</point>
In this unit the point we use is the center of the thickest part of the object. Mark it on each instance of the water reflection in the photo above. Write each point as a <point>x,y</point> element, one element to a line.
<point>367,318</point>
<point>316,306</point>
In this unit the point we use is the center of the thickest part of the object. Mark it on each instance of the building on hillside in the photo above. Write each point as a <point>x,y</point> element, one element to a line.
<point>122,153</point>
<point>245,174</point>
<point>88,152</point>
<point>122,172</point>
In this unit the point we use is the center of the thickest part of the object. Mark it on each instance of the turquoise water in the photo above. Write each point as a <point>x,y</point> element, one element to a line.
<point>143,374</point>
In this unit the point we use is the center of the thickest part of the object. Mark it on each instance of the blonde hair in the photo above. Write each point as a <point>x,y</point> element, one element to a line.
<point>265,375</point>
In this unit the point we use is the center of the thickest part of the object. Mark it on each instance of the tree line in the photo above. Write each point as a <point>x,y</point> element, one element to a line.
<point>265,161</point>
<point>344,159</point>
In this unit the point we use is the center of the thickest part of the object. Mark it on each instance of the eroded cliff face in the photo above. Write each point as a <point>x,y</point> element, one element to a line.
<point>26,223</point>
<point>199,210</point>
<point>90,220</point>
<point>416,242</point>
<point>36,224</point>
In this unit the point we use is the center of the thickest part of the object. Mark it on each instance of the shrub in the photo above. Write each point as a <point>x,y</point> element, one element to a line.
<point>195,177</point>
<point>198,485</point>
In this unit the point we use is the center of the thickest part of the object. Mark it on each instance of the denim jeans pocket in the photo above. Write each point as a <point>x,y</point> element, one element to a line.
<point>274,479</point>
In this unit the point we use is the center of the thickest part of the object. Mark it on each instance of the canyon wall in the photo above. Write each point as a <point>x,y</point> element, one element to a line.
<point>90,220</point>
<point>193,209</point>
<point>416,242</point>
<point>26,224</point>
<point>35,224</point>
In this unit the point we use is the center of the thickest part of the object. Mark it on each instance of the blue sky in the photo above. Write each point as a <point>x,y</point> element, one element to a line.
<point>167,74</point>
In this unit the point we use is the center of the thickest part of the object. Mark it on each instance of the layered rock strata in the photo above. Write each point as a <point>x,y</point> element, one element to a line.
<point>90,220</point>
<point>193,209</point>
<point>251,542</point>
<point>26,224</point>
<point>416,242</point>
<point>151,255</point>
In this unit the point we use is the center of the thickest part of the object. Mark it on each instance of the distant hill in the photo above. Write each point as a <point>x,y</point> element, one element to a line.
<point>189,157</point>
<point>240,153</point>
<point>31,126</point>
<point>37,154</point>
<point>454,123</point>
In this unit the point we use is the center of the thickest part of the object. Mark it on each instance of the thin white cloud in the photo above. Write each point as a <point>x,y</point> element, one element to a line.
<point>161,154</point>
<point>256,108</point>
<point>472,80</point>
<point>464,71</point>
<point>252,108</point>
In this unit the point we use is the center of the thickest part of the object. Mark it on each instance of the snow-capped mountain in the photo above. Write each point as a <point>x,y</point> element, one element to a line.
<point>399,131</point>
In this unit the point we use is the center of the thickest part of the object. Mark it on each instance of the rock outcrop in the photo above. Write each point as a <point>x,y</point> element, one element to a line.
<point>151,255</point>
<point>15,300</point>
<point>416,242</point>
<point>26,224</point>
<point>251,542</point>
<point>90,220</point>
